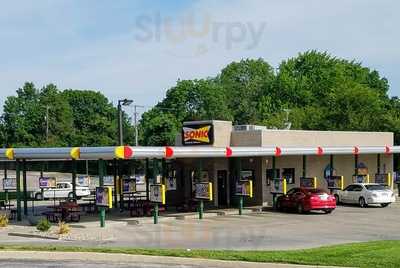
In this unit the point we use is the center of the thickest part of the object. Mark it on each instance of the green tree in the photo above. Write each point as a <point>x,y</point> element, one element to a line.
<point>245,84</point>
<point>95,119</point>
<point>188,100</point>
<point>328,93</point>
<point>24,117</point>
<point>158,128</point>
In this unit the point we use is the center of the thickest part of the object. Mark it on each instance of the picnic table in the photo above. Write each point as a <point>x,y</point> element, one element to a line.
<point>90,204</point>
<point>6,205</point>
<point>66,211</point>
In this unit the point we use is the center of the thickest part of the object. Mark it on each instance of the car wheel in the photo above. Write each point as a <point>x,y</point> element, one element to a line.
<point>279,206</point>
<point>328,211</point>
<point>337,199</point>
<point>385,205</point>
<point>38,196</point>
<point>300,209</point>
<point>362,202</point>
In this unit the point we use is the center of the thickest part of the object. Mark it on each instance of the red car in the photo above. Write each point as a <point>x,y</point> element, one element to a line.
<point>305,200</point>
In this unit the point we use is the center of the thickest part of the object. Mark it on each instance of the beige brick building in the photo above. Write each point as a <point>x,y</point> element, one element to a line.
<point>222,172</point>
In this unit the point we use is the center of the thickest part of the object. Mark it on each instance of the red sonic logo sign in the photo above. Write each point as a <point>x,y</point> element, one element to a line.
<point>197,135</point>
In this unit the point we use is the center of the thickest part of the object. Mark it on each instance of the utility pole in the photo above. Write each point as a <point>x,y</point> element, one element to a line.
<point>135,115</point>
<point>47,124</point>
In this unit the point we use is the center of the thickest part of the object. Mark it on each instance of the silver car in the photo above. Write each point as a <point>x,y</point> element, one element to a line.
<point>366,194</point>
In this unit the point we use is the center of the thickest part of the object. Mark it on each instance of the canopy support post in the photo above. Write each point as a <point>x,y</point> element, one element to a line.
<point>18,177</point>
<point>24,186</point>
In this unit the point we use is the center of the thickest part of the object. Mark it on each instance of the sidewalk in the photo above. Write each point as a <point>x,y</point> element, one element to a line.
<point>137,259</point>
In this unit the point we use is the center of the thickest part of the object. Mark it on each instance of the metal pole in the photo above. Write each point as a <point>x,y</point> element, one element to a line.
<point>238,178</point>
<point>121,194</point>
<point>136,126</point>
<point>275,175</point>
<point>18,177</point>
<point>47,124</point>
<point>240,205</point>
<point>147,180</point>
<point>378,164</point>
<point>5,176</point>
<point>201,209</point>
<point>24,186</point>
<point>155,214</point>
<point>356,165</point>
<point>101,182</point>
<point>304,166</point>
<point>74,171</point>
<point>115,173</point>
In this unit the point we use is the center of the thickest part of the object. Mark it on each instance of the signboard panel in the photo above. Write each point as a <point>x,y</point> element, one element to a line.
<point>199,134</point>
<point>244,188</point>
<point>171,182</point>
<point>203,190</point>
<point>157,193</point>
<point>47,182</point>
<point>308,182</point>
<point>10,184</point>
<point>108,180</point>
<point>360,178</point>
<point>335,182</point>
<point>104,197</point>
<point>129,185</point>
<point>83,181</point>
<point>382,179</point>
<point>278,186</point>
<point>246,175</point>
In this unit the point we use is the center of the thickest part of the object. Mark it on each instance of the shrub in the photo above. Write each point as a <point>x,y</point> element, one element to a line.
<point>63,228</point>
<point>43,225</point>
<point>3,220</point>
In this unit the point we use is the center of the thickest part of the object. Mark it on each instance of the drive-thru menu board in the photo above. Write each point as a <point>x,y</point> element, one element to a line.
<point>308,182</point>
<point>129,185</point>
<point>360,178</point>
<point>335,182</point>
<point>244,188</point>
<point>278,186</point>
<point>203,191</point>
<point>383,179</point>
<point>157,193</point>
<point>9,184</point>
<point>47,182</point>
<point>104,197</point>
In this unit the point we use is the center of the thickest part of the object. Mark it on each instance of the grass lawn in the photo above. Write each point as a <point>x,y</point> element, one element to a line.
<point>370,254</point>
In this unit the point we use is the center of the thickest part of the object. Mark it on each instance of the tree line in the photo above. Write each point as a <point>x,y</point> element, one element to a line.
<point>321,91</point>
<point>50,117</point>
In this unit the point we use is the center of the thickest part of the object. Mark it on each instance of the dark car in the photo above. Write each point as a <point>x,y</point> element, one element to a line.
<point>304,200</point>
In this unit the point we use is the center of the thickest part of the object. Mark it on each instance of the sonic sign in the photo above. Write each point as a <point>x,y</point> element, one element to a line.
<point>202,134</point>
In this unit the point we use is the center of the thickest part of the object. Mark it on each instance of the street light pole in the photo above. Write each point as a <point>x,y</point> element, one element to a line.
<point>124,102</point>
<point>136,124</point>
<point>47,124</point>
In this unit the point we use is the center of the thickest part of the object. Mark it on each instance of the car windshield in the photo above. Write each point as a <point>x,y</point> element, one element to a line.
<point>375,187</point>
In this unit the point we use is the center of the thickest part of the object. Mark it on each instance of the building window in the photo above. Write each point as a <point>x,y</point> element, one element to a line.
<point>270,175</point>
<point>289,175</point>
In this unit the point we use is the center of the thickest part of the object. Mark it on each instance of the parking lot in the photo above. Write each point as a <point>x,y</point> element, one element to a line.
<point>257,231</point>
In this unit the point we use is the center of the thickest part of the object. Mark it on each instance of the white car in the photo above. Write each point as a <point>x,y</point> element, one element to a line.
<point>365,194</point>
<point>62,190</point>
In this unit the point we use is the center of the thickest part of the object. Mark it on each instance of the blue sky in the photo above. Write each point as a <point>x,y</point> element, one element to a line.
<point>138,49</point>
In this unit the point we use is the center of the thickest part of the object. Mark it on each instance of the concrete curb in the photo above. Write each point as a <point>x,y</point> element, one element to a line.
<point>126,258</point>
